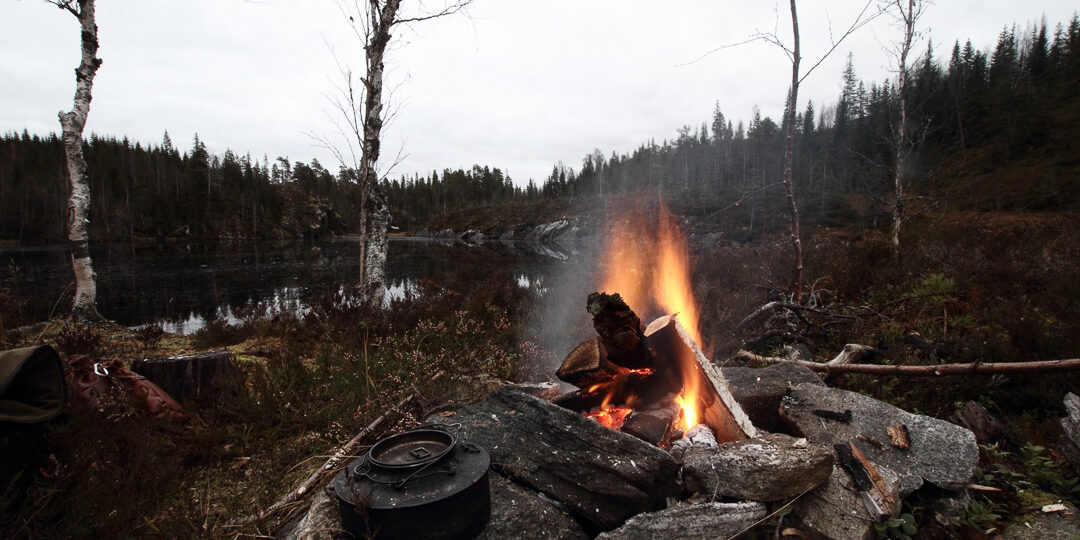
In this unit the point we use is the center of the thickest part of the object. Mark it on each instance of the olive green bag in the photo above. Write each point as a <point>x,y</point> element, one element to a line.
<point>31,385</point>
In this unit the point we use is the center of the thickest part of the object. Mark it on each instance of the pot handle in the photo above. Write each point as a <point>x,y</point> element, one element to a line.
<point>449,428</point>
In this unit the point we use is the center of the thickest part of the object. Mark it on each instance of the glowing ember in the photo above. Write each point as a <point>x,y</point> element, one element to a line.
<point>612,417</point>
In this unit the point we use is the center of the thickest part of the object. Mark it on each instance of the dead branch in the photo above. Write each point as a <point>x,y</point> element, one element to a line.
<point>331,465</point>
<point>971,368</point>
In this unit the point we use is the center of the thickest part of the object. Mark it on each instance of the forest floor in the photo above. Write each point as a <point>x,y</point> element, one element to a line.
<point>989,287</point>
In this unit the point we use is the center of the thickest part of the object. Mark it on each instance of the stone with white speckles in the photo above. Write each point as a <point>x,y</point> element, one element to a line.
<point>768,468</point>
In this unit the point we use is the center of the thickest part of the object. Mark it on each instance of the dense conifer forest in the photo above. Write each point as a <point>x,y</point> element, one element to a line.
<point>995,130</point>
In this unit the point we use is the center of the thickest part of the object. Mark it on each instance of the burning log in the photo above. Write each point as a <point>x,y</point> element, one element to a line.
<point>587,365</point>
<point>620,331</point>
<point>653,424</point>
<point>710,393</point>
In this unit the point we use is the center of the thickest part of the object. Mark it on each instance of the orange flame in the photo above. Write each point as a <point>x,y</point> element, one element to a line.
<point>689,413</point>
<point>672,290</point>
<point>652,270</point>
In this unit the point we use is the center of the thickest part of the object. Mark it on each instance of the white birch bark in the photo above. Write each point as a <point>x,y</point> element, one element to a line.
<point>908,12</point>
<point>72,123</point>
<point>789,158</point>
<point>375,213</point>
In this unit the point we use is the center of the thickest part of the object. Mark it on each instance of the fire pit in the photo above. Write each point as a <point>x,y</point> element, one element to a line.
<point>653,383</point>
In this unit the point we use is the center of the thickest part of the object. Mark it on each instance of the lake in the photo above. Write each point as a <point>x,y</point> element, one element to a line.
<point>185,285</point>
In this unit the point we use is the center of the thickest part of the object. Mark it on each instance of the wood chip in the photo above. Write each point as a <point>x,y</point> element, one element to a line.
<point>899,435</point>
<point>875,476</point>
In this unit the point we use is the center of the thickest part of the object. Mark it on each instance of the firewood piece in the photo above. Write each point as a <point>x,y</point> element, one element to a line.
<point>620,331</point>
<point>899,436</point>
<point>718,408</point>
<point>653,424</point>
<point>579,400</point>
<point>587,365</point>
<point>187,376</point>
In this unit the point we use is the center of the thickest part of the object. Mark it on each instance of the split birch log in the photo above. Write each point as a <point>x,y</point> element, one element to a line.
<point>719,410</point>
<point>972,368</point>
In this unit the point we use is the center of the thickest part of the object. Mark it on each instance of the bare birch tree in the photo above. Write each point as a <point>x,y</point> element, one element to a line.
<point>362,114</point>
<point>794,54</point>
<point>72,123</point>
<point>907,13</point>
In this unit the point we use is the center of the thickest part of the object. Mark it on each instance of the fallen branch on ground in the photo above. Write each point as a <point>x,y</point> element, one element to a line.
<point>972,368</point>
<point>330,466</point>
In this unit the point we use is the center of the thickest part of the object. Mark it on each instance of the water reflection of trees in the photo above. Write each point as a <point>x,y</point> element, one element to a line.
<point>185,285</point>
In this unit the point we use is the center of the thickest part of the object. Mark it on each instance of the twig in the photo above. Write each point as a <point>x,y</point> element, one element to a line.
<point>972,368</point>
<point>774,512</point>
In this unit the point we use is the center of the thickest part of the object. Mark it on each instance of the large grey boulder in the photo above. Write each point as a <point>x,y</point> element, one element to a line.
<point>759,390</point>
<point>839,511</point>
<point>769,468</point>
<point>600,475</point>
<point>941,453</point>
<point>691,521</point>
<point>519,513</point>
<point>1070,425</point>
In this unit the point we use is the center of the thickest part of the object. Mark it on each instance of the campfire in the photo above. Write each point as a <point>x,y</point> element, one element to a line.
<point>652,382</point>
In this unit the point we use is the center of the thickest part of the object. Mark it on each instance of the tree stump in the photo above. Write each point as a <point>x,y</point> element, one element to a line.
<point>188,376</point>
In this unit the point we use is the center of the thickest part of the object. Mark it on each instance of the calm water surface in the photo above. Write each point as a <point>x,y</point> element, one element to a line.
<point>185,285</point>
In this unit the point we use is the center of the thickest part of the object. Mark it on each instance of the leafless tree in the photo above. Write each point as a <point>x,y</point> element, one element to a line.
<point>72,123</point>
<point>794,54</point>
<point>361,114</point>
<point>907,14</point>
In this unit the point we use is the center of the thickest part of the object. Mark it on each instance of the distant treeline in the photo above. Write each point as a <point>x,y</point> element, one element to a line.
<point>993,130</point>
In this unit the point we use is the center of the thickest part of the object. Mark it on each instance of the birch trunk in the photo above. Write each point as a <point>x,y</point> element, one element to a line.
<point>789,158</point>
<point>375,214</point>
<point>908,18</point>
<point>72,123</point>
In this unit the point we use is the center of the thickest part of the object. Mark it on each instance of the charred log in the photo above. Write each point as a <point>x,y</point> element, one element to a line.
<point>652,425</point>
<point>587,365</point>
<point>620,331</point>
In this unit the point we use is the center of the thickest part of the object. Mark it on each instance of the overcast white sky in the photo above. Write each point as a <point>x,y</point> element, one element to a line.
<point>515,84</point>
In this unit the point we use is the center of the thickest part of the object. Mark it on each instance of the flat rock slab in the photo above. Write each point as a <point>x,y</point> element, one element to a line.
<point>759,390</point>
<point>941,453</point>
<point>769,468</point>
<point>600,475</point>
<point>321,522</point>
<point>691,521</point>
<point>519,513</point>
<point>837,510</point>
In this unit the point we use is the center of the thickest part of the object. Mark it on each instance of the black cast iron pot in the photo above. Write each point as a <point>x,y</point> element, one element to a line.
<point>421,484</point>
